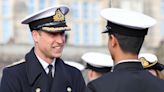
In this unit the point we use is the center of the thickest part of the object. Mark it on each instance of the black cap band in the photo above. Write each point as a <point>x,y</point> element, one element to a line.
<point>123,30</point>
<point>46,22</point>
<point>99,69</point>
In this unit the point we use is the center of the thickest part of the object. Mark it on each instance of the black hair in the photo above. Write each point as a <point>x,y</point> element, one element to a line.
<point>129,43</point>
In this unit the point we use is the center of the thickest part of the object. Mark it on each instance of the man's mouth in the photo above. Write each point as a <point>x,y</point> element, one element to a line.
<point>57,47</point>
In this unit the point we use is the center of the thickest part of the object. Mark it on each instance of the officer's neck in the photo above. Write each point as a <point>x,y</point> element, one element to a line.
<point>125,56</point>
<point>43,57</point>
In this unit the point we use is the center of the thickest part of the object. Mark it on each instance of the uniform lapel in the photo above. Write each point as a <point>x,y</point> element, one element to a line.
<point>61,79</point>
<point>36,75</point>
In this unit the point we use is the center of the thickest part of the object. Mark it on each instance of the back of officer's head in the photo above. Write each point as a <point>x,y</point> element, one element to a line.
<point>128,27</point>
<point>129,44</point>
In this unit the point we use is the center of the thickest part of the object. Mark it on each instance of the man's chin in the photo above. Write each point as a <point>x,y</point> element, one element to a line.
<point>57,55</point>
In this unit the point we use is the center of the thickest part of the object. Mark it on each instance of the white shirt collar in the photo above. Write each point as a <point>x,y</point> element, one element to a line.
<point>122,61</point>
<point>127,60</point>
<point>45,65</point>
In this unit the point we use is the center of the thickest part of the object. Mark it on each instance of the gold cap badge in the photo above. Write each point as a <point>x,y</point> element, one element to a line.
<point>59,16</point>
<point>146,63</point>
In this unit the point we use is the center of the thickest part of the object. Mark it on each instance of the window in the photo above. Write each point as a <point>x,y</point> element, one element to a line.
<point>6,20</point>
<point>42,4</point>
<point>7,28</point>
<point>85,10</point>
<point>162,7</point>
<point>30,6</point>
<point>76,29</point>
<point>95,11</point>
<point>75,9</point>
<point>85,34</point>
<point>6,8</point>
<point>96,34</point>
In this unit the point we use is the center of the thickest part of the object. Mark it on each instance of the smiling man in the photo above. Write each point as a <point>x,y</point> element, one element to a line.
<point>42,70</point>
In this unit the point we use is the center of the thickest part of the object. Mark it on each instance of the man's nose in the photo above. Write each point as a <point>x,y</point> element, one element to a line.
<point>60,38</point>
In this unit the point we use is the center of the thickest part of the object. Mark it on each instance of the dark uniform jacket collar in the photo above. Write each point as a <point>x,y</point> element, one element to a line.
<point>35,71</point>
<point>128,66</point>
<point>34,68</point>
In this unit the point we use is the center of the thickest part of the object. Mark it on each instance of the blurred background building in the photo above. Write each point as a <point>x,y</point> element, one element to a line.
<point>84,19</point>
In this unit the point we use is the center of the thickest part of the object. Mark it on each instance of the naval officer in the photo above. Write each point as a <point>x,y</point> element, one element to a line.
<point>42,69</point>
<point>126,30</point>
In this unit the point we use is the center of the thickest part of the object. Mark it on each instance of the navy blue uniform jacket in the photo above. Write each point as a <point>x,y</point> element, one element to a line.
<point>29,76</point>
<point>127,77</point>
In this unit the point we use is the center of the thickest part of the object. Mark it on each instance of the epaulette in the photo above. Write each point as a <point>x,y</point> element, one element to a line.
<point>16,63</point>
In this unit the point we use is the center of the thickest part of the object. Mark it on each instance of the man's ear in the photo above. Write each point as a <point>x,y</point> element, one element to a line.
<point>35,35</point>
<point>90,74</point>
<point>113,40</point>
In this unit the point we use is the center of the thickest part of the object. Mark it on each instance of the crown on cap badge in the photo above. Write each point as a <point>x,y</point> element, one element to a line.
<point>59,16</point>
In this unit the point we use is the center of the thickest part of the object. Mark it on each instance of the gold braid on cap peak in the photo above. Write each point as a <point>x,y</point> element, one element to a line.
<point>58,23</point>
<point>146,63</point>
<point>51,29</point>
<point>59,16</point>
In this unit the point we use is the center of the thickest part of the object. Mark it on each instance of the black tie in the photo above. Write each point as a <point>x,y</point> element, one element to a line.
<point>50,73</point>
